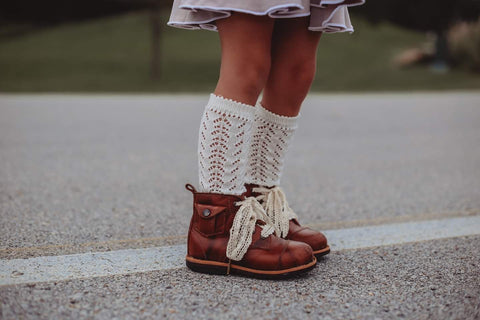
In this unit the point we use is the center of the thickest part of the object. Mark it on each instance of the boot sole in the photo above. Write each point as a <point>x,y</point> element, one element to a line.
<point>321,252</point>
<point>221,268</point>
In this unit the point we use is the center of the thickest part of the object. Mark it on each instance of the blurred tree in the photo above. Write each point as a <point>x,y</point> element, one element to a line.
<point>156,27</point>
<point>424,15</point>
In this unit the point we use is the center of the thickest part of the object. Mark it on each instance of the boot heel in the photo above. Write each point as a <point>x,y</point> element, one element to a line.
<point>207,268</point>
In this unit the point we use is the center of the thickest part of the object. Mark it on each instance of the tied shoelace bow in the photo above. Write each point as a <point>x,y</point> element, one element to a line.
<point>276,208</point>
<point>244,225</point>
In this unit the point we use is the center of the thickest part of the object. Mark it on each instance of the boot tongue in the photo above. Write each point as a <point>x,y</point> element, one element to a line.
<point>249,192</point>
<point>251,186</point>
<point>294,221</point>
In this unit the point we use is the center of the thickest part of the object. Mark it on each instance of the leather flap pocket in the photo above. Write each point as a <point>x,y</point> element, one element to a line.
<point>206,211</point>
<point>209,220</point>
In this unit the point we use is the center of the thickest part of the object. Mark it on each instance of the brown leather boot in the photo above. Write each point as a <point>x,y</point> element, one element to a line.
<point>285,221</point>
<point>227,235</point>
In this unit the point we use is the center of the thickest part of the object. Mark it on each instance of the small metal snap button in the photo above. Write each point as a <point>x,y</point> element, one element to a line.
<point>206,212</point>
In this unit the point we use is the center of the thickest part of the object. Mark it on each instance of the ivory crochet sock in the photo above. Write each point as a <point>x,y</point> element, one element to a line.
<point>223,144</point>
<point>271,136</point>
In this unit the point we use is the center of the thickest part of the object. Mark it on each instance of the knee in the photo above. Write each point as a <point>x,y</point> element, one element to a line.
<point>251,73</point>
<point>301,73</point>
<point>288,86</point>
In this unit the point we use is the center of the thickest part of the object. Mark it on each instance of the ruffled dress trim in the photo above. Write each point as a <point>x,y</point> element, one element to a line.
<point>325,15</point>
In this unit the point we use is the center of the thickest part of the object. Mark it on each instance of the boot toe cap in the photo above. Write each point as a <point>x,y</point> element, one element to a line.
<point>296,254</point>
<point>314,239</point>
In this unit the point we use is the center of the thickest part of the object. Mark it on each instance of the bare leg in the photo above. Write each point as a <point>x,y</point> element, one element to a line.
<point>293,66</point>
<point>246,44</point>
<point>293,69</point>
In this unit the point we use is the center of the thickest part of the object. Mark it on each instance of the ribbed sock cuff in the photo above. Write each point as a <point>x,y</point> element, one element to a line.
<point>231,107</point>
<point>276,119</point>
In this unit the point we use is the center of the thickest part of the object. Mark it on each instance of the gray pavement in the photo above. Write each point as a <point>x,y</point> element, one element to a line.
<point>77,169</point>
<point>426,280</point>
<point>96,173</point>
<point>54,268</point>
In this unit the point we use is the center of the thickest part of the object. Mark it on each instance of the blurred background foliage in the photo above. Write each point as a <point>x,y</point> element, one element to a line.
<point>125,46</point>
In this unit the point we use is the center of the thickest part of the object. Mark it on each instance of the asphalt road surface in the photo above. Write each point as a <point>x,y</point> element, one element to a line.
<point>84,178</point>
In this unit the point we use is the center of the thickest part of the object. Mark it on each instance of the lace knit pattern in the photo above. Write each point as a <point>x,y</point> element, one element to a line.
<point>224,141</point>
<point>271,136</point>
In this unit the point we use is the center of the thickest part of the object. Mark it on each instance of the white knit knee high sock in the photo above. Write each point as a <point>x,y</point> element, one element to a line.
<point>271,136</point>
<point>223,144</point>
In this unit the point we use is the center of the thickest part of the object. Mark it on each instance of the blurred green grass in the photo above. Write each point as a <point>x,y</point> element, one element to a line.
<point>113,55</point>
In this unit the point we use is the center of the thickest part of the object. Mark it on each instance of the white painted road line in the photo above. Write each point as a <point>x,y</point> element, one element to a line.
<point>89,265</point>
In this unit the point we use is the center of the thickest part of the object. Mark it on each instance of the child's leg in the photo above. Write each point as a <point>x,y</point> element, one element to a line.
<point>224,226</point>
<point>246,42</point>
<point>292,70</point>
<point>294,55</point>
<point>225,128</point>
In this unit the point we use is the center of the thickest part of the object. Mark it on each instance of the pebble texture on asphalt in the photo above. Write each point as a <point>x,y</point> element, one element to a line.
<point>425,280</point>
<point>77,169</point>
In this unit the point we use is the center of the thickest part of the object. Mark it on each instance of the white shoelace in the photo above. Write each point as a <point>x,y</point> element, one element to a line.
<point>244,225</point>
<point>276,208</point>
